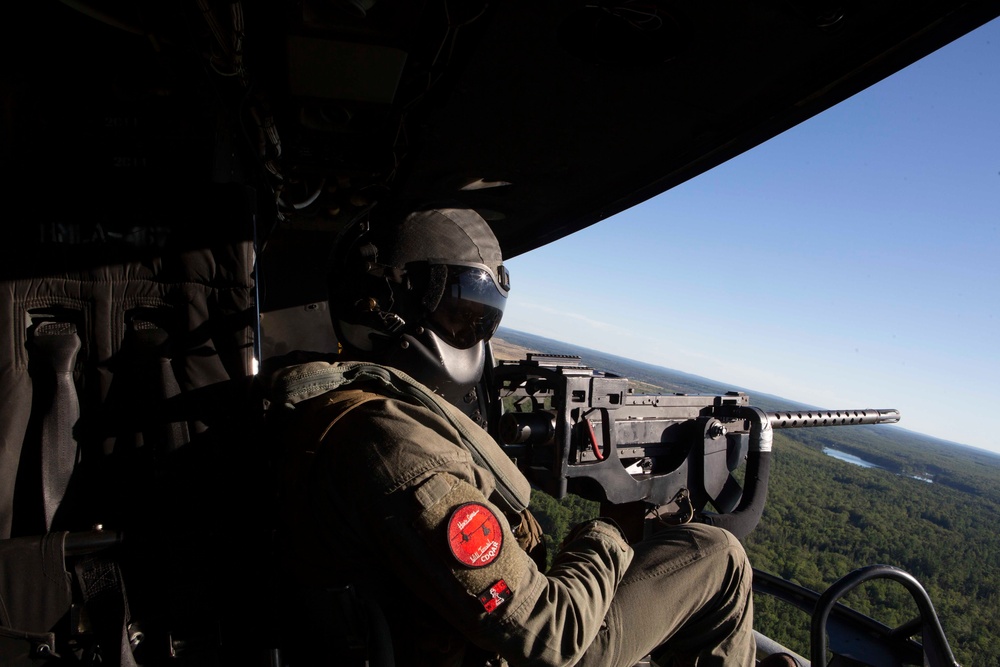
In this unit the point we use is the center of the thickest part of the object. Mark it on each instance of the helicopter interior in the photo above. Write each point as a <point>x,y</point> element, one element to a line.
<point>177,173</point>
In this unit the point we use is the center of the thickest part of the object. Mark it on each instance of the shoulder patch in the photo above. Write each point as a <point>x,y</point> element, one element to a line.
<point>494,596</point>
<point>475,535</point>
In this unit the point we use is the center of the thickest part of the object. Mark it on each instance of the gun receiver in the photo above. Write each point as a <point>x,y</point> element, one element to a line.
<point>572,429</point>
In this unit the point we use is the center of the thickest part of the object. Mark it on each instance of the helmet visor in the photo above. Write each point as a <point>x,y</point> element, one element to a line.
<point>470,307</point>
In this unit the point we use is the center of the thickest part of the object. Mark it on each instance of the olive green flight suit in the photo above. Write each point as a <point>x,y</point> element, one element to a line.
<point>381,489</point>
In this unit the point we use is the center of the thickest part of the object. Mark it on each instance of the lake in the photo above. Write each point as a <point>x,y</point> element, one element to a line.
<point>858,461</point>
<point>849,458</point>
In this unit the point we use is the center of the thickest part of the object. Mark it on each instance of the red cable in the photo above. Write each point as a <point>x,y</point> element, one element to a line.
<point>593,440</point>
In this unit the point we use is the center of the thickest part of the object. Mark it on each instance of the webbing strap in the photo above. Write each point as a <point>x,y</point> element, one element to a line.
<point>154,380</point>
<point>57,345</point>
<point>107,606</point>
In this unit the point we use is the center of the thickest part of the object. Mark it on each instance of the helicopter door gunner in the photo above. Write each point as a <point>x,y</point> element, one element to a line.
<point>395,490</point>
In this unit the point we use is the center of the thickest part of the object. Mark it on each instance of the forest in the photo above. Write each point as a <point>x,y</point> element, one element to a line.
<point>930,508</point>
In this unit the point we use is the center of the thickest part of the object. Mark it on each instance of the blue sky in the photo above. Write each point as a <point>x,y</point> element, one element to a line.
<point>853,261</point>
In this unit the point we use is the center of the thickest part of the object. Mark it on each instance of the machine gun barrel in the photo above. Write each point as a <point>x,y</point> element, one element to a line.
<point>806,418</point>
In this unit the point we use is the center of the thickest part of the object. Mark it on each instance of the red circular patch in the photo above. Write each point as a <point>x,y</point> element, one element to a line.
<point>474,535</point>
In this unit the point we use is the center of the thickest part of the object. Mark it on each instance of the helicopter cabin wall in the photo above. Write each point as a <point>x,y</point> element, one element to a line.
<point>119,376</point>
<point>107,361</point>
<point>128,306</point>
<point>128,272</point>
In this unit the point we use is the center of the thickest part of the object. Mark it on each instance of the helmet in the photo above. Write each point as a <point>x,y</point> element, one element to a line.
<point>422,296</point>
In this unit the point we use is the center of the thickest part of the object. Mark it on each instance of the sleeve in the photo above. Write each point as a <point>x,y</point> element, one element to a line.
<point>424,507</point>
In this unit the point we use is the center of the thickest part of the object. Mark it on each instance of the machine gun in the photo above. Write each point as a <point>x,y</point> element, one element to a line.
<point>572,429</point>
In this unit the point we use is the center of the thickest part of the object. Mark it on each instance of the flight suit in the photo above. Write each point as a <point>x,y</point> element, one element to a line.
<point>382,491</point>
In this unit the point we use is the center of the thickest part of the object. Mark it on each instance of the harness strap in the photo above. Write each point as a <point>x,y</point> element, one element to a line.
<point>57,346</point>
<point>107,606</point>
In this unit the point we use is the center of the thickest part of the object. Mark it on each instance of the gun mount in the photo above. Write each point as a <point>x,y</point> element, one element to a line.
<point>573,429</point>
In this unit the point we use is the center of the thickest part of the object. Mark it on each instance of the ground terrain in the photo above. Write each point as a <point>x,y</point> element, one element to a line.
<point>826,517</point>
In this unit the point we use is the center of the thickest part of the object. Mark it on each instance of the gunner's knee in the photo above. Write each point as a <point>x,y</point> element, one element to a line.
<point>712,538</point>
<point>721,546</point>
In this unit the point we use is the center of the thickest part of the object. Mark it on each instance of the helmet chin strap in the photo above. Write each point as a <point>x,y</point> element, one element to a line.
<point>448,371</point>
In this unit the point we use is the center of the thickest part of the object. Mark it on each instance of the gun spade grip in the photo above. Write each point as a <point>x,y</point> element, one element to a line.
<point>744,518</point>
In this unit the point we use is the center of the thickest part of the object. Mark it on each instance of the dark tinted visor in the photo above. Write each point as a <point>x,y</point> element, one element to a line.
<point>470,307</point>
